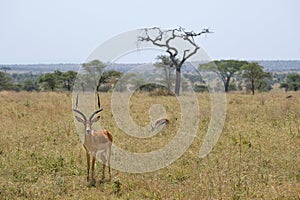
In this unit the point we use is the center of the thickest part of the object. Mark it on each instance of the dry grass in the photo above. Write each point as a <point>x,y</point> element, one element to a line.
<point>256,157</point>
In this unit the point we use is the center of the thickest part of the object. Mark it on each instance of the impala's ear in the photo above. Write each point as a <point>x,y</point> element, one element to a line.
<point>79,119</point>
<point>96,119</point>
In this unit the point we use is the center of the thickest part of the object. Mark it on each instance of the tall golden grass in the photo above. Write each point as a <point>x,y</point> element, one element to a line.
<point>256,157</point>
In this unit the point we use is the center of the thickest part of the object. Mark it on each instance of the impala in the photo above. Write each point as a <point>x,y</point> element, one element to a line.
<point>96,142</point>
<point>159,122</point>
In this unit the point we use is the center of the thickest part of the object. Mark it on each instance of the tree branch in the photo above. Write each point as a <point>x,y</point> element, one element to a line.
<point>172,34</point>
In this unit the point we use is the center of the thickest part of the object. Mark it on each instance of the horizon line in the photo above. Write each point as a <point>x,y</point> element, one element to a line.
<point>78,63</point>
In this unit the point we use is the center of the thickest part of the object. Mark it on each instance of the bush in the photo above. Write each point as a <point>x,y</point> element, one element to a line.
<point>149,87</point>
<point>162,92</point>
<point>104,88</point>
<point>232,87</point>
<point>200,88</point>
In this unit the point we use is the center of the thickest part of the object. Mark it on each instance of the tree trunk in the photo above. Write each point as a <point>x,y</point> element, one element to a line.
<point>252,86</point>
<point>226,85</point>
<point>82,86</point>
<point>169,78</point>
<point>177,83</point>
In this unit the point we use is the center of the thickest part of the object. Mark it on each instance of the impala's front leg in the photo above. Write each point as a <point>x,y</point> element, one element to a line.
<point>109,172</point>
<point>88,166</point>
<point>93,167</point>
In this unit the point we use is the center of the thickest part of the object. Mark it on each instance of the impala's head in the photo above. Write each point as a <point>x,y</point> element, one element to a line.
<point>87,122</point>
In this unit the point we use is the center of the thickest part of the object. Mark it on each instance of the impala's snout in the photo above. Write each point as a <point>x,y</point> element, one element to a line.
<point>88,128</point>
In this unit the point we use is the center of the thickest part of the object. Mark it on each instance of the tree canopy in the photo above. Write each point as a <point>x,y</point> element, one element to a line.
<point>292,82</point>
<point>254,75</point>
<point>6,81</point>
<point>225,69</point>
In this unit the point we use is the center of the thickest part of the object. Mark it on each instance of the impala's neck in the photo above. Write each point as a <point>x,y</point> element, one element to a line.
<point>89,135</point>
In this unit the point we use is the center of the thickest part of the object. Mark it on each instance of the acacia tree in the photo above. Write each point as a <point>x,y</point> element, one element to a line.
<point>254,74</point>
<point>56,80</point>
<point>225,69</point>
<point>165,39</point>
<point>165,62</point>
<point>109,79</point>
<point>292,82</point>
<point>68,79</point>
<point>50,80</point>
<point>94,70</point>
<point>6,81</point>
<point>30,85</point>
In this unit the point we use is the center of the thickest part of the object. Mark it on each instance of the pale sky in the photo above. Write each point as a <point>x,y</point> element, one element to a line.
<point>67,31</point>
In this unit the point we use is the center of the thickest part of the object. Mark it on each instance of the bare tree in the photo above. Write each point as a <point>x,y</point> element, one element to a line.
<point>165,39</point>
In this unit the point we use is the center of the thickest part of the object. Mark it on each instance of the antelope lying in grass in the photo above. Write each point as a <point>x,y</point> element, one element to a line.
<point>95,141</point>
<point>160,122</point>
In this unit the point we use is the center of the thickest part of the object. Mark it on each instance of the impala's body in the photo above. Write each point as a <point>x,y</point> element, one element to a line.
<point>97,143</point>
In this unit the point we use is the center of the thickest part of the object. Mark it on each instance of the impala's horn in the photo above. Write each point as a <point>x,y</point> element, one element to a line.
<point>99,107</point>
<point>98,97</point>
<point>76,110</point>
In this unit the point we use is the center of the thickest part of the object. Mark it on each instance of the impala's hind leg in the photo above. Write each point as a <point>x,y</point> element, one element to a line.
<point>93,168</point>
<point>103,159</point>
<point>103,171</point>
<point>108,161</point>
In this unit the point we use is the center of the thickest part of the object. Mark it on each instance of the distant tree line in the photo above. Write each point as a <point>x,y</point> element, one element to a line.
<point>239,75</point>
<point>37,82</point>
<point>61,81</point>
<point>235,75</point>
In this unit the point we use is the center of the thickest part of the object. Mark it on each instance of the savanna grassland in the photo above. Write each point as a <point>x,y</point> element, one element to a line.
<point>256,157</point>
